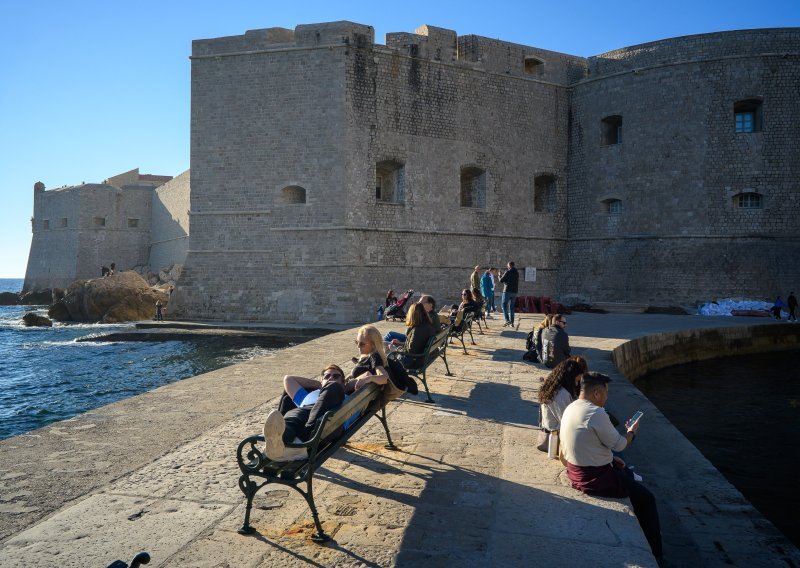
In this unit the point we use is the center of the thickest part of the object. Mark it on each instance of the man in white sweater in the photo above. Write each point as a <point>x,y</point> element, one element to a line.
<point>588,439</point>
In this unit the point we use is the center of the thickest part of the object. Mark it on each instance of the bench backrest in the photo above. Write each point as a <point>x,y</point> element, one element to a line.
<point>355,404</point>
<point>436,345</point>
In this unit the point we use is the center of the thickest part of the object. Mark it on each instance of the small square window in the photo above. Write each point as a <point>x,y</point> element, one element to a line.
<point>99,222</point>
<point>46,224</point>
<point>64,222</point>
<point>133,223</point>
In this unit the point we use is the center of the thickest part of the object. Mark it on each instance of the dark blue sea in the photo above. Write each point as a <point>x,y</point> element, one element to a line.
<point>46,376</point>
<point>743,413</point>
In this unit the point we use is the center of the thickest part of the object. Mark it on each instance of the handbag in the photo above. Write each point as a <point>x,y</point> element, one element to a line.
<point>542,439</point>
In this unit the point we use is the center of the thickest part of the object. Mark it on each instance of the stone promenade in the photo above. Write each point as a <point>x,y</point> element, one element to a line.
<point>157,472</point>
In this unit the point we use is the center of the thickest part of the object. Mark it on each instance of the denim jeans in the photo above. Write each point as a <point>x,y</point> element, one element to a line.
<point>508,306</point>
<point>490,307</point>
<point>394,335</point>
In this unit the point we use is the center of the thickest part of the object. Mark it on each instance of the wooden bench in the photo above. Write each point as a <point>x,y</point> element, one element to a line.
<point>253,463</point>
<point>436,348</point>
<point>459,329</point>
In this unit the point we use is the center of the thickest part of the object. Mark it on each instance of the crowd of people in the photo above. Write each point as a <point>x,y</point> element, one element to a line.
<point>571,397</point>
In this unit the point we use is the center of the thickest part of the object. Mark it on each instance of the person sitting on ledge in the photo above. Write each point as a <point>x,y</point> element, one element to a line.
<point>559,389</point>
<point>305,401</point>
<point>587,440</point>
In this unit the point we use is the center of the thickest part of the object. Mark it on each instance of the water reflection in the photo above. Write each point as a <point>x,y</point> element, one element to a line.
<point>743,414</point>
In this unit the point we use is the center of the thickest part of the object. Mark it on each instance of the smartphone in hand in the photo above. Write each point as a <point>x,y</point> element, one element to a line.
<point>635,418</point>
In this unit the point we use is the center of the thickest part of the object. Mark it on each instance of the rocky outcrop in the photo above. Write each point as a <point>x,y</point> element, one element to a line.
<point>9,299</point>
<point>38,298</point>
<point>35,320</point>
<point>168,275</point>
<point>122,297</point>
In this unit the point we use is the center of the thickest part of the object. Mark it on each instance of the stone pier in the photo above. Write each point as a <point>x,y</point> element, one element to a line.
<point>467,487</point>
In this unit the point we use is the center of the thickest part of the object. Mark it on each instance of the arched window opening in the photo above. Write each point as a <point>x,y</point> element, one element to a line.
<point>544,193</point>
<point>390,181</point>
<point>612,130</point>
<point>473,187</point>
<point>533,66</point>
<point>613,206</point>
<point>749,200</point>
<point>747,115</point>
<point>293,195</point>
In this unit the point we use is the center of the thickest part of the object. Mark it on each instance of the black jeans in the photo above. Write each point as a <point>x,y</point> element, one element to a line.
<point>301,422</point>
<point>645,509</point>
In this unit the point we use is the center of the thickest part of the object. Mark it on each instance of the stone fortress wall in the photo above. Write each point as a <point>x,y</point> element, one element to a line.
<point>327,169</point>
<point>291,139</point>
<point>681,169</point>
<point>78,229</point>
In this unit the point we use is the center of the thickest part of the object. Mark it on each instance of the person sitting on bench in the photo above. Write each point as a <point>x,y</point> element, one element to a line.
<point>305,401</point>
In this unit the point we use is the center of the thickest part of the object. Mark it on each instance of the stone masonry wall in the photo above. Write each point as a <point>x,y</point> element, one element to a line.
<point>435,116</point>
<point>680,237</point>
<point>117,241</point>
<point>319,115</point>
<point>54,244</point>
<point>267,127</point>
<point>169,228</point>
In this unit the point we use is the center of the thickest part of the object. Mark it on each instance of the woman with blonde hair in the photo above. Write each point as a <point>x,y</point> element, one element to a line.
<point>537,333</point>
<point>305,401</point>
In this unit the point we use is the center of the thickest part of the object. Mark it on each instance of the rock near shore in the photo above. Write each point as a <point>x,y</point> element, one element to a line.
<point>125,296</point>
<point>35,320</point>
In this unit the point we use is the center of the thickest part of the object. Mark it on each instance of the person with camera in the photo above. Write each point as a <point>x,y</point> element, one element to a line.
<point>588,440</point>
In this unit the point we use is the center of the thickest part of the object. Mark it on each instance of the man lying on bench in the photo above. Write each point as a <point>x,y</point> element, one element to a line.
<point>305,401</point>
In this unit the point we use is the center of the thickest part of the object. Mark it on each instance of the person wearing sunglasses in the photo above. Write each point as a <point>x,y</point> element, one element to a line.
<point>305,401</point>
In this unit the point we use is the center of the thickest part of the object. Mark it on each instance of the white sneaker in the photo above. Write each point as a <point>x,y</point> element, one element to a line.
<point>274,448</point>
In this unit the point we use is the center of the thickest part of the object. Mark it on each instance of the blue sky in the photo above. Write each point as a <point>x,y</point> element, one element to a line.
<point>89,89</point>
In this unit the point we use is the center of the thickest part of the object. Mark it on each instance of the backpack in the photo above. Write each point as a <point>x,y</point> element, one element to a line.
<point>529,341</point>
<point>548,353</point>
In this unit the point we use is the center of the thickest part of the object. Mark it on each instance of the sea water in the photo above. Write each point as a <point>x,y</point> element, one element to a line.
<point>45,375</point>
<point>743,414</point>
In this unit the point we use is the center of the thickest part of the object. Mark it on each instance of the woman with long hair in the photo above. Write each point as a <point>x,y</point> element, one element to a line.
<point>305,401</point>
<point>559,389</point>
<point>537,334</point>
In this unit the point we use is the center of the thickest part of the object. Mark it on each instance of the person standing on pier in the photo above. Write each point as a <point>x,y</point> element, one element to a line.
<point>510,280</point>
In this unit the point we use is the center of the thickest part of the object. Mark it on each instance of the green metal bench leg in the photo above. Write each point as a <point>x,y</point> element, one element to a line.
<point>472,339</point>
<point>382,418</point>
<point>319,536</point>
<point>249,488</point>
<point>446,366</point>
<point>425,384</point>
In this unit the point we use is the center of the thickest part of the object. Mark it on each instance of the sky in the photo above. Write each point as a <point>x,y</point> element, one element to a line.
<point>90,89</point>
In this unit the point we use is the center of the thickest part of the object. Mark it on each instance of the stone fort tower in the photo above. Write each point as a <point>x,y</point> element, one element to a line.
<point>327,169</point>
<point>130,219</point>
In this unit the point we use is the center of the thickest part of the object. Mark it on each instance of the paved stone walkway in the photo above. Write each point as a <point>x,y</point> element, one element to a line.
<point>467,488</point>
